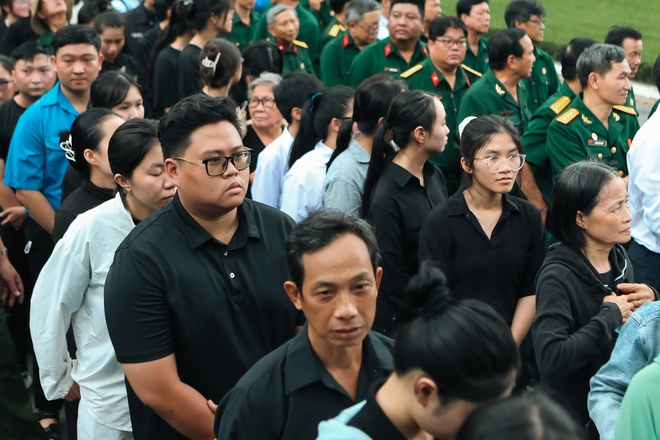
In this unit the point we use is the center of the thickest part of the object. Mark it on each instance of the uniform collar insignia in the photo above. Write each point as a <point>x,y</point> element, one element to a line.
<point>586,120</point>
<point>616,116</point>
<point>435,78</point>
<point>499,90</point>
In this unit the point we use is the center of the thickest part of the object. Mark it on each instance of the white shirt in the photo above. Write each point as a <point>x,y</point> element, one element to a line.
<point>383,31</point>
<point>69,290</point>
<point>272,166</point>
<point>644,188</point>
<point>301,191</point>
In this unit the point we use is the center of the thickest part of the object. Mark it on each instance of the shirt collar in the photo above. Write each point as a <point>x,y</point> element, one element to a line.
<point>391,49</point>
<point>55,96</point>
<point>564,89</point>
<point>456,205</point>
<point>401,176</point>
<point>461,80</point>
<point>358,152</point>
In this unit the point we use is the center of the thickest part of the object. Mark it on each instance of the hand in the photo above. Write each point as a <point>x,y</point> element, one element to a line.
<point>74,393</point>
<point>621,301</point>
<point>637,294</point>
<point>15,215</point>
<point>10,283</point>
<point>212,406</point>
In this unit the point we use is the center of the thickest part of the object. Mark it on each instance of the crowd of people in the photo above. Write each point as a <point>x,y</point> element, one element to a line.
<point>352,219</point>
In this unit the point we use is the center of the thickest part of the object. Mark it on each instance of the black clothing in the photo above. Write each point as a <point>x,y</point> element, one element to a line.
<point>83,199</point>
<point>10,111</point>
<point>145,44</point>
<point>165,80</point>
<point>253,141</point>
<point>17,34</point>
<point>372,420</point>
<point>289,392</point>
<point>498,271</point>
<point>174,289</point>
<point>138,22</point>
<point>70,183</point>
<point>127,64</point>
<point>188,80</point>
<point>397,209</point>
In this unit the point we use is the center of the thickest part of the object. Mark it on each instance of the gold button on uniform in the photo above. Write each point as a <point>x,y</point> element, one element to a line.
<point>600,155</point>
<point>613,150</point>
<point>621,173</point>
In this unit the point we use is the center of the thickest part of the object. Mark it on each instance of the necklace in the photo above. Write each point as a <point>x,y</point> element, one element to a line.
<point>487,226</point>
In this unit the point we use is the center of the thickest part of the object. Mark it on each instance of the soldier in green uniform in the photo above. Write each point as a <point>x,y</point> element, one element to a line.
<point>529,15</point>
<point>476,16</point>
<point>321,10</point>
<point>397,53</point>
<point>441,74</point>
<point>283,24</point>
<point>500,91</point>
<point>337,25</point>
<point>243,24</point>
<point>362,19</point>
<point>432,10</point>
<point>596,124</point>
<point>630,40</point>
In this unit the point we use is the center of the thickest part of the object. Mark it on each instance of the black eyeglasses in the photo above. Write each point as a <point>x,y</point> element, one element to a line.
<point>266,102</point>
<point>217,165</point>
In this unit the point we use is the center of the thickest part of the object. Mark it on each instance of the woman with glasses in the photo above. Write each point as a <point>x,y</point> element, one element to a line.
<point>489,244</point>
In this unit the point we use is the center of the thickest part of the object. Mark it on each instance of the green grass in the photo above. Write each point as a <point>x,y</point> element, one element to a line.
<point>567,19</point>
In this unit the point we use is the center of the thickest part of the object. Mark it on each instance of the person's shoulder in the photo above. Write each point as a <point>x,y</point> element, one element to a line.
<point>565,119</point>
<point>625,110</point>
<point>269,217</point>
<point>150,230</point>
<point>526,208</point>
<point>545,56</point>
<point>268,370</point>
<point>380,339</point>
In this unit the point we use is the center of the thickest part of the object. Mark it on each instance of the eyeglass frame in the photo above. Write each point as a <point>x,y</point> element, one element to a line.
<point>539,23</point>
<point>507,162</point>
<point>371,30</point>
<point>462,43</point>
<point>228,159</point>
<point>262,102</point>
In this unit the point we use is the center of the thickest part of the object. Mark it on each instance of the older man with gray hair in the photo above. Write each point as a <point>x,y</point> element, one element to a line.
<point>284,25</point>
<point>362,20</point>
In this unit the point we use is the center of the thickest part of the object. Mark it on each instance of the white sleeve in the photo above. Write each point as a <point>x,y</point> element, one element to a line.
<point>645,175</point>
<point>294,197</point>
<point>266,186</point>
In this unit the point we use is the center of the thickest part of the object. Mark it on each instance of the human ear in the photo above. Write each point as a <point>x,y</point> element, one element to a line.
<point>296,113</point>
<point>172,170</point>
<point>294,294</point>
<point>419,134</point>
<point>123,182</point>
<point>426,392</point>
<point>465,166</point>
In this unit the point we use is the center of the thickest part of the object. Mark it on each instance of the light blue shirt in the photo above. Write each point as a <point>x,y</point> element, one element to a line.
<point>344,183</point>
<point>272,166</point>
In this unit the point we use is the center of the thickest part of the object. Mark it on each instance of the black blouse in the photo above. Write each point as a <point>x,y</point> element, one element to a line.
<point>86,197</point>
<point>372,420</point>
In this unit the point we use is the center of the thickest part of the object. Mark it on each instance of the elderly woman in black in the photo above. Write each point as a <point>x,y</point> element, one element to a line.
<point>585,288</point>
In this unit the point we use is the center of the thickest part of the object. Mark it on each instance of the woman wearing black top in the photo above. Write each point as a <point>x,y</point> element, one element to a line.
<point>220,67</point>
<point>400,190</point>
<point>489,244</point>
<point>86,148</point>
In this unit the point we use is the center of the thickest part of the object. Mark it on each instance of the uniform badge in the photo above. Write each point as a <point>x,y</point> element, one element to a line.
<point>594,136</point>
<point>632,102</point>
<point>435,78</point>
<point>388,50</point>
<point>616,116</point>
<point>302,66</point>
<point>499,90</point>
<point>586,120</point>
<point>544,71</point>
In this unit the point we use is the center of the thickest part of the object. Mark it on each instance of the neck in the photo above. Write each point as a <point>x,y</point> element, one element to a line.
<point>100,179</point>
<point>393,398</point>
<point>217,93</point>
<point>78,101</point>
<point>425,27</point>
<point>448,72</point>
<point>574,85</point>
<point>405,46</point>
<point>473,40</point>
<point>287,44</point>
<point>182,41</point>
<point>413,160</point>
<point>57,22</point>
<point>138,210</point>
<point>333,357</point>
<point>11,18</point>
<point>220,224</point>
<point>341,17</point>
<point>294,127</point>
<point>508,79</point>
<point>598,255</point>
<point>331,140</point>
<point>163,24</point>
<point>202,37</point>
<point>359,43</point>
<point>243,13</point>
<point>481,198</point>
<point>24,100</point>
<point>366,141</point>
<point>270,132</point>
<point>598,107</point>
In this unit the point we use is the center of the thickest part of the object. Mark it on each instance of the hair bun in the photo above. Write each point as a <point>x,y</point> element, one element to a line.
<point>428,291</point>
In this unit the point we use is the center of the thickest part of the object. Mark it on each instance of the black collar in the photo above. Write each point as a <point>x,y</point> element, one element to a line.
<point>456,205</point>
<point>402,176</point>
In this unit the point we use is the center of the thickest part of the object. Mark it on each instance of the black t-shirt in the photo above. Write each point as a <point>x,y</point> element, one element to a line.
<point>129,65</point>
<point>10,111</point>
<point>253,141</point>
<point>138,23</point>
<point>174,289</point>
<point>165,80</point>
<point>372,420</point>
<point>17,34</point>
<point>145,44</point>
<point>188,79</point>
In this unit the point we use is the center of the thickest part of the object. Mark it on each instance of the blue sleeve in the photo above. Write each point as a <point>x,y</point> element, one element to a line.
<point>26,161</point>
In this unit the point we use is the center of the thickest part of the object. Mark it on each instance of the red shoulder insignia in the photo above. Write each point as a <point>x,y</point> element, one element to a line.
<point>345,40</point>
<point>281,47</point>
<point>435,78</point>
<point>425,50</point>
<point>388,50</point>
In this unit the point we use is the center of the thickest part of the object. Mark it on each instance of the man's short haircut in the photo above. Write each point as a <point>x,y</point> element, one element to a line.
<point>265,78</point>
<point>599,59</point>
<point>277,10</point>
<point>319,230</point>
<point>465,6</point>
<point>502,45</point>
<point>6,63</point>
<point>419,3</point>
<point>28,50</point>
<point>441,25</point>
<point>569,55</point>
<point>337,6</point>
<point>521,11</point>
<point>295,89</point>
<point>357,8</point>
<point>656,73</point>
<point>77,34</point>
<point>617,34</point>
<point>191,113</point>
<point>109,19</point>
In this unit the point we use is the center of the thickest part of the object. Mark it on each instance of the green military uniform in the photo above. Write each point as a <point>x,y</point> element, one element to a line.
<point>333,30</point>
<point>577,135</point>
<point>488,96</point>
<point>543,82</point>
<point>654,108</point>
<point>324,15</point>
<point>241,34</point>
<point>383,57</point>
<point>296,59</point>
<point>534,139</point>
<point>630,100</point>
<point>427,77</point>
<point>336,60</point>
<point>478,62</point>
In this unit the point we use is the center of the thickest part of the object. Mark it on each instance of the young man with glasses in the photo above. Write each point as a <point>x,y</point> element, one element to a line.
<point>476,16</point>
<point>529,15</point>
<point>194,297</point>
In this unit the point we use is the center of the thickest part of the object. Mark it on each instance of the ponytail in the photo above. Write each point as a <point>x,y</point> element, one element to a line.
<point>381,152</point>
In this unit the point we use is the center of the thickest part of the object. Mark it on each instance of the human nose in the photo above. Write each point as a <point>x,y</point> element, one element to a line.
<point>627,215</point>
<point>346,308</point>
<point>168,184</point>
<point>231,169</point>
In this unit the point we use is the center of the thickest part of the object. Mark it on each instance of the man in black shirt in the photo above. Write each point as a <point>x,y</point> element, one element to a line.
<point>194,297</point>
<point>139,21</point>
<point>330,365</point>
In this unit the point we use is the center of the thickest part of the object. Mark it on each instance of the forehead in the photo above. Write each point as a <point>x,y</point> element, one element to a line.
<point>76,50</point>
<point>346,255</point>
<point>481,7</point>
<point>613,190</point>
<point>618,68</point>
<point>370,16</point>
<point>222,137</point>
<point>112,32</point>
<point>285,16</point>
<point>630,44</point>
<point>263,89</point>
<point>527,43</point>
<point>454,33</point>
<point>38,59</point>
<point>405,8</point>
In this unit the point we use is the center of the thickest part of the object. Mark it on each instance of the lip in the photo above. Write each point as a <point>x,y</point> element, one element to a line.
<point>235,188</point>
<point>168,198</point>
<point>506,180</point>
<point>348,333</point>
<point>627,231</point>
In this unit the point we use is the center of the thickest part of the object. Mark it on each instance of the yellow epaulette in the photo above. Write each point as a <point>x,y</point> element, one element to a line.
<point>301,44</point>
<point>408,73</point>
<point>559,105</point>
<point>624,109</point>
<point>471,70</point>
<point>568,116</point>
<point>336,29</point>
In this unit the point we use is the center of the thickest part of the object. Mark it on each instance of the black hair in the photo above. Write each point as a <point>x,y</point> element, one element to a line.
<point>176,27</point>
<point>479,132</point>
<point>295,89</point>
<point>229,62</point>
<point>521,11</point>
<point>502,45</point>
<point>372,100</point>
<point>419,3</point>
<point>192,113</point>
<point>199,12</point>
<point>530,416</point>
<point>86,134</point>
<point>110,89</point>
<point>109,19</point>
<point>320,229</point>
<point>569,55</point>
<point>441,25</point>
<point>28,50</point>
<point>436,342</point>
<point>617,34</point>
<point>317,114</point>
<point>129,145</point>
<point>656,73</point>
<point>75,34</point>
<point>577,189</point>
<point>6,63</point>
<point>598,58</point>
<point>465,6</point>
<point>91,9</point>
<point>409,110</point>
<point>8,3</point>
<point>259,57</point>
<point>338,5</point>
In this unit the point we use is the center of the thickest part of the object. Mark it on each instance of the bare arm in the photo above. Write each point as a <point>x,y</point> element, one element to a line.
<point>39,207</point>
<point>531,190</point>
<point>523,317</point>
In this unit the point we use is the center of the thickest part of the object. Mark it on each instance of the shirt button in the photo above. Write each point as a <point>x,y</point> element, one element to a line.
<point>225,254</point>
<point>232,275</point>
<point>600,155</point>
<point>613,150</point>
<point>620,173</point>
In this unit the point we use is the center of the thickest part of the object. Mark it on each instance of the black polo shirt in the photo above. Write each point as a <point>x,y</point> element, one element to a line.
<point>289,392</point>
<point>174,289</point>
<point>139,21</point>
<point>398,206</point>
<point>498,271</point>
<point>372,420</point>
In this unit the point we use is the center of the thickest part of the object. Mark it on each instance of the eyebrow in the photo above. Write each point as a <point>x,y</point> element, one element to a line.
<point>88,54</point>
<point>219,152</point>
<point>359,277</point>
<point>513,150</point>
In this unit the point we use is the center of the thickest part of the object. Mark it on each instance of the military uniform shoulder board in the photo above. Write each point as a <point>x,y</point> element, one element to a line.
<point>408,73</point>
<point>559,105</point>
<point>300,44</point>
<point>624,109</point>
<point>471,70</point>
<point>336,29</point>
<point>567,117</point>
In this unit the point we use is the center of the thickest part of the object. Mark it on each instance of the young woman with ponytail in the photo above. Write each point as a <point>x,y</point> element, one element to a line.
<point>220,67</point>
